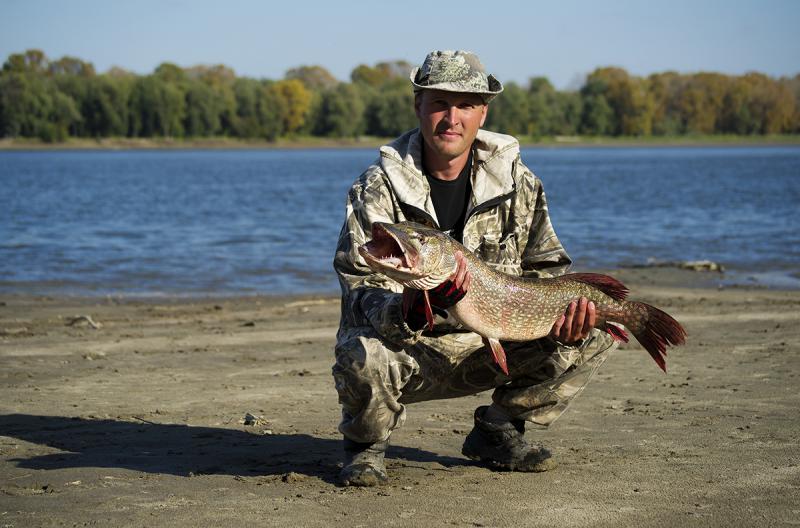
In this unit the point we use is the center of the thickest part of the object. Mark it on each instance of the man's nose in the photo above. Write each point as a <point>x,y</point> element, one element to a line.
<point>452,115</point>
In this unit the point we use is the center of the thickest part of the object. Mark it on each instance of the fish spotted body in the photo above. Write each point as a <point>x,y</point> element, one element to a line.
<point>505,307</point>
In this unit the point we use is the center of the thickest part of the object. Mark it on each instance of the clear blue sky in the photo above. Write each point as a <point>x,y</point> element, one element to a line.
<point>516,40</point>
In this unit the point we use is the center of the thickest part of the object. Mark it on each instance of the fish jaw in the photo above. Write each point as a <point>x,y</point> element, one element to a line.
<point>387,254</point>
<point>409,253</point>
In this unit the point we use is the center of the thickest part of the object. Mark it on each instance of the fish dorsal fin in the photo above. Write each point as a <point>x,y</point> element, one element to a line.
<point>608,285</point>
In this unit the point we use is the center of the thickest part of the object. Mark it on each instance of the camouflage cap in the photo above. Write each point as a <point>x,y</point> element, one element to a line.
<point>455,71</point>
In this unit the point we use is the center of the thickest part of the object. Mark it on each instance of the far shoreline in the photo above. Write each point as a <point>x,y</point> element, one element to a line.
<point>309,143</point>
<point>635,277</point>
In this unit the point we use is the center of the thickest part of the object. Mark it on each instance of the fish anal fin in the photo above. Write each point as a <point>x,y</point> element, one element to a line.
<point>498,353</point>
<point>616,332</point>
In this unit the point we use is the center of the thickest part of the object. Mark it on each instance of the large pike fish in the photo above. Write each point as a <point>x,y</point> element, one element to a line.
<point>504,307</point>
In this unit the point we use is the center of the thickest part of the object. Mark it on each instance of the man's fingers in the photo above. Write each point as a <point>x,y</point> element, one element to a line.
<point>591,319</point>
<point>578,320</point>
<point>461,270</point>
<point>567,326</point>
<point>557,327</point>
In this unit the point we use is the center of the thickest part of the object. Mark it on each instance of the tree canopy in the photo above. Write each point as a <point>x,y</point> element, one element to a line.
<point>57,99</point>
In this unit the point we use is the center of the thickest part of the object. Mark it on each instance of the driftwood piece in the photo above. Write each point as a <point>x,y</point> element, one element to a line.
<point>694,265</point>
<point>84,320</point>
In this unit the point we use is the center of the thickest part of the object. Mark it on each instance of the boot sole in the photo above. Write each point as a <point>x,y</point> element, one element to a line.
<point>541,466</point>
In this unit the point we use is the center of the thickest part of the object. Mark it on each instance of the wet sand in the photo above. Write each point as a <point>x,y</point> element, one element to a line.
<point>143,421</point>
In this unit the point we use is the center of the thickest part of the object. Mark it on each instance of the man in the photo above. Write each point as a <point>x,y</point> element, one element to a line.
<point>450,174</point>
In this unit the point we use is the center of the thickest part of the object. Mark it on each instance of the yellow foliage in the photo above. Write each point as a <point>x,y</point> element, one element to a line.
<point>298,103</point>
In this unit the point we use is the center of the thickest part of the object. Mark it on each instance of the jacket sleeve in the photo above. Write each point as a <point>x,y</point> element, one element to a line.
<point>543,254</point>
<point>369,298</point>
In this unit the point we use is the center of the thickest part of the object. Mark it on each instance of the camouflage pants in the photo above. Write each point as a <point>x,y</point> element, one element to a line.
<point>375,378</point>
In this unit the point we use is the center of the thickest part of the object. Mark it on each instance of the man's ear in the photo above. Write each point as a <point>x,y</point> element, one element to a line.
<point>417,102</point>
<point>485,113</point>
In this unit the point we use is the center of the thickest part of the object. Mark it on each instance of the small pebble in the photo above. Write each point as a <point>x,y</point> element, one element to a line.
<point>292,477</point>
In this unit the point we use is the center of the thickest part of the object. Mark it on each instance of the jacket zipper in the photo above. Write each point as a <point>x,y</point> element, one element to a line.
<point>488,204</point>
<point>408,208</point>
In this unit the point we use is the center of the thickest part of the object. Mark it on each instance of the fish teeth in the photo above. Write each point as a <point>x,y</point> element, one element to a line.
<point>392,260</point>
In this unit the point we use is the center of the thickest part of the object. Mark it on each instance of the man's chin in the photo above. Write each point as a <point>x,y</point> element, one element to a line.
<point>450,148</point>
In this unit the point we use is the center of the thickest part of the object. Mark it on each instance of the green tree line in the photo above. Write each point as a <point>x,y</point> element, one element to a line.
<point>56,99</point>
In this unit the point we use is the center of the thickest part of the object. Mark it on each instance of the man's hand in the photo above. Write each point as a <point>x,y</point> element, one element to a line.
<point>576,322</point>
<point>461,277</point>
<point>441,297</point>
<point>454,288</point>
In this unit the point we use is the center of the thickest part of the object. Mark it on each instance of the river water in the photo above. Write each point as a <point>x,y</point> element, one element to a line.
<point>266,221</point>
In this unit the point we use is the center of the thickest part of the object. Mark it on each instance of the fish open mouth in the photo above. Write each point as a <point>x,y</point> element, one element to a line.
<point>385,250</point>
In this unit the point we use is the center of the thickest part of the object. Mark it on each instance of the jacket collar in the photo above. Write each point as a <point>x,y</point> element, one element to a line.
<point>492,161</point>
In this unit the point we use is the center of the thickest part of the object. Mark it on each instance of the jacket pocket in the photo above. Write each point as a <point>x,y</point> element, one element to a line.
<point>500,253</point>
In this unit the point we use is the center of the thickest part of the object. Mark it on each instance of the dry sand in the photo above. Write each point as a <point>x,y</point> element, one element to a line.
<point>139,422</point>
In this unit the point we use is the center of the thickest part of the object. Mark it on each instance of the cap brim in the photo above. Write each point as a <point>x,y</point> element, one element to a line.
<point>495,87</point>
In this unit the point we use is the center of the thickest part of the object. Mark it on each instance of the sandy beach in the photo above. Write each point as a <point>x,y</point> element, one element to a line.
<point>209,412</point>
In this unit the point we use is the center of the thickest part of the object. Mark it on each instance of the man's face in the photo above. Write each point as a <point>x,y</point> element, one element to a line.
<point>449,121</point>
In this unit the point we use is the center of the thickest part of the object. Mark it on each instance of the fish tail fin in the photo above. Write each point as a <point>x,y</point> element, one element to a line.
<point>606,284</point>
<point>655,330</point>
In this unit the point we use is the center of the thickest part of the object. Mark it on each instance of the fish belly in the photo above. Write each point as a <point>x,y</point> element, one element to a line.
<point>510,319</point>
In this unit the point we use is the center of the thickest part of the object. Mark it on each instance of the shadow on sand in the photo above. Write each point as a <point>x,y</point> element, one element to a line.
<point>183,450</point>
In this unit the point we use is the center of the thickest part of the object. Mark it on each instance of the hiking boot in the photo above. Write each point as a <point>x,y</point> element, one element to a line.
<point>364,464</point>
<point>502,445</point>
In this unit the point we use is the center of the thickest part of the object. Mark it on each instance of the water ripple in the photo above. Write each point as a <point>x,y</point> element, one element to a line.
<point>220,222</point>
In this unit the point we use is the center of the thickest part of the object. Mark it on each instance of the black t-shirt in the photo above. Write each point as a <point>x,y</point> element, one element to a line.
<point>451,200</point>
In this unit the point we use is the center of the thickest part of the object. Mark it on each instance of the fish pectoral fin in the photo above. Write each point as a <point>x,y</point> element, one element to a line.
<point>428,309</point>
<point>409,298</point>
<point>498,353</point>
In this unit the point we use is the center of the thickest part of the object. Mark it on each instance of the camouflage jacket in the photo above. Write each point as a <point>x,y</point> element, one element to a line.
<point>507,225</point>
